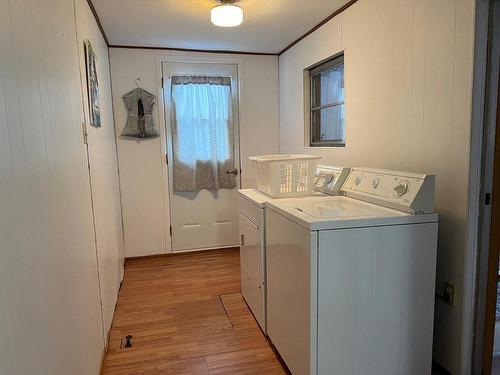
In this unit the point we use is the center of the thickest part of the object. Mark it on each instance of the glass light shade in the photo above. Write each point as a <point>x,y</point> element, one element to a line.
<point>227,15</point>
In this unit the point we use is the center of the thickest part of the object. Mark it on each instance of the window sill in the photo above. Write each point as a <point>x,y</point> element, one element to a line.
<point>326,146</point>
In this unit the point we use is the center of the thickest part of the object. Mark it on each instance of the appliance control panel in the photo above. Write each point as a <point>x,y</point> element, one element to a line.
<point>329,179</point>
<point>405,191</point>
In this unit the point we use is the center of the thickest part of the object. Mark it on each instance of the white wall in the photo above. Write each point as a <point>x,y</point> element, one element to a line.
<point>50,316</point>
<point>104,168</point>
<point>142,162</point>
<point>408,106</point>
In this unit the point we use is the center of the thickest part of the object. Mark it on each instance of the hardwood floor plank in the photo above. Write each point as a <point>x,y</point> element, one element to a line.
<point>187,317</point>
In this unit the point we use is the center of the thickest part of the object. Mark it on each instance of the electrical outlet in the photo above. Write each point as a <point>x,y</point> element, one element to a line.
<point>449,294</point>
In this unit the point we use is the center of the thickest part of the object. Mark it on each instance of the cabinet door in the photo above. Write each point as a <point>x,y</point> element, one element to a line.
<point>251,268</point>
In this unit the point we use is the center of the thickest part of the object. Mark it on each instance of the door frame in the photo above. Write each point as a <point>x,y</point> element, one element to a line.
<point>494,252</point>
<point>478,318</point>
<point>165,131</point>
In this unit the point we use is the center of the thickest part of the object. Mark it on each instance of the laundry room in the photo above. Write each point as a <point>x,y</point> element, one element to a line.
<point>250,187</point>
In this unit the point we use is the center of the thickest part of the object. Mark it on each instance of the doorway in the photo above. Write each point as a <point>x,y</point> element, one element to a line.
<point>203,156</point>
<point>486,359</point>
<point>491,355</point>
<point>491,359</point>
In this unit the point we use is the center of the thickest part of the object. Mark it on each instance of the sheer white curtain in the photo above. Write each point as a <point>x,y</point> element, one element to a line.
<point>202,130</point>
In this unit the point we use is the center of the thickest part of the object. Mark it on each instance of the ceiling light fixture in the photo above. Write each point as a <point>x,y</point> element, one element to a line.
<point>227,14</point>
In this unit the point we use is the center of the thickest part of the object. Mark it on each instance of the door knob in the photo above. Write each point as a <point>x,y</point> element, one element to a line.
<point>232,171</point>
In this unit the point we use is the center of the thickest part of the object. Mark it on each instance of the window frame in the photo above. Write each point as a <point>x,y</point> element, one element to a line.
<point>314,70</point>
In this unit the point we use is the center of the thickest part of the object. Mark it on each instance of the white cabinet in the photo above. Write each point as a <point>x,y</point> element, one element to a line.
<point>252,259</point>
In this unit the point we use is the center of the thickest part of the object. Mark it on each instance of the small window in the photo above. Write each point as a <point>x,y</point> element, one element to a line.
<point>326,103</point>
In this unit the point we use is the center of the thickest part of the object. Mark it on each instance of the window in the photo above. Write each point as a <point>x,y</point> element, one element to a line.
<point>326,103</point>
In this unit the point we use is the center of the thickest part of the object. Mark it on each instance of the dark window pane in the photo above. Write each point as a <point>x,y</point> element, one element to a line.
<point>328,87</point>
<point>327,125</point>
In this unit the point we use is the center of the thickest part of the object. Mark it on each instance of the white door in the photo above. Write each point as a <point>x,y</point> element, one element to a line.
<point>203,219</point>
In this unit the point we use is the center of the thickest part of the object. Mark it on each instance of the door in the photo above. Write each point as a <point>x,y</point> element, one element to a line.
<point>201,112</point>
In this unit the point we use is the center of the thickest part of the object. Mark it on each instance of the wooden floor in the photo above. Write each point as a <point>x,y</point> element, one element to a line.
<point>186,316</point>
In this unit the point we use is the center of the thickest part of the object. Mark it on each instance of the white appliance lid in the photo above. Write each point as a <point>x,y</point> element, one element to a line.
<point>340,209</point>
<point>259,198</point>
<point>342,212</point>
<point>255,196</point>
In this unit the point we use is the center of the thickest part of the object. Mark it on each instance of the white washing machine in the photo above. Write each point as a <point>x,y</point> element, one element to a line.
<point>252,202</point>
<point>350,279</point>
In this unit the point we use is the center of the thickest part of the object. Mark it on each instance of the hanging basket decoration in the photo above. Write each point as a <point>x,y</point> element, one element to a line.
<point>139,104</point>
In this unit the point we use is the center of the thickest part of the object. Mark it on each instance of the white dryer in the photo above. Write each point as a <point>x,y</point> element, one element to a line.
<point>328,181</point>
<point>350,279</point>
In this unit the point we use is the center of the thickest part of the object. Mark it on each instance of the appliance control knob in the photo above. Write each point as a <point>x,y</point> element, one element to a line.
<point>357,181</point>
<point>329,179</point>
<point>375,183</point>
<point>402,188</point>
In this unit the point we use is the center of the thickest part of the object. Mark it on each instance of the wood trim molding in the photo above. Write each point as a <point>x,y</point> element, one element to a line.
<point>179,253</point>
<point>193,50</point>
<point>330,17</point>
<point>99,24</point>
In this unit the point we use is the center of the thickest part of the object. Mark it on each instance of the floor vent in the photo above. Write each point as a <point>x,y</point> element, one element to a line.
<point>126,342</point>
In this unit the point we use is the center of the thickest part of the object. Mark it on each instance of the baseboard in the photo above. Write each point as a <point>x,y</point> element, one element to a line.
<point>103,356</point>
<point>106,346</point>
<point>194,251</point>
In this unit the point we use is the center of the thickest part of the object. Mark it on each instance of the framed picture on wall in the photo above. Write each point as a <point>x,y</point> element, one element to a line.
<point>92,85</point>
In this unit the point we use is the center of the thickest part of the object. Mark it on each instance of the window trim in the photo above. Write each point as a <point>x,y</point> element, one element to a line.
<point>309,73</point>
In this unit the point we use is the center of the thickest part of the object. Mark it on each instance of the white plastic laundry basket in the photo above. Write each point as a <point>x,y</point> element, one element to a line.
<point>283,176</point>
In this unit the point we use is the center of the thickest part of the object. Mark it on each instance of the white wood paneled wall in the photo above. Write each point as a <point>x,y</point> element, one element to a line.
<point>104,169</point>
<point>408,107</point>
<point>50,314</point>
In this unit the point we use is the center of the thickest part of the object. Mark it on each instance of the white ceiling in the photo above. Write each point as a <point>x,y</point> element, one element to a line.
<point>269,25</point>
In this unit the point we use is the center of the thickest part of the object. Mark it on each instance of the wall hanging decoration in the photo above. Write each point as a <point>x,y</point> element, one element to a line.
<point>92,84</point>
<point>139,104</point>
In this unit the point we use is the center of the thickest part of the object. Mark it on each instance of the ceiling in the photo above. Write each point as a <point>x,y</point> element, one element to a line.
<point>269,25</point>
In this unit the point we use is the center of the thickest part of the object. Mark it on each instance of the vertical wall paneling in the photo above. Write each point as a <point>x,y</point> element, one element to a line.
<point>104,168</point>
<point>50,314</point>
<point>419,39</point>
<point>140,161</point>
<point>401,82</point>
<point>408,79</point>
